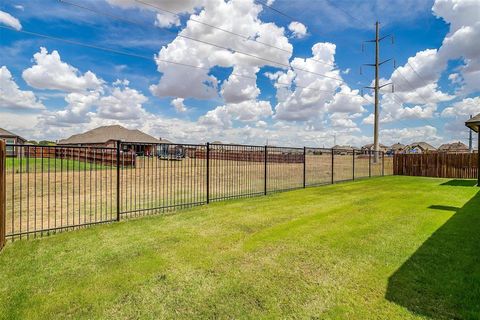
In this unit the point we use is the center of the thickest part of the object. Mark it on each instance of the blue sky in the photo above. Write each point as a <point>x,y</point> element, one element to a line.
<point>228,95</point>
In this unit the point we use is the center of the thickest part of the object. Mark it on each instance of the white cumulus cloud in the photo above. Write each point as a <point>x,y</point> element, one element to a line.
<point>179,105</point>
<point>50,72</point>
<point>298,29</point>
<point>464,108</point>
<point>9,20</point>
<point>122,103</point>
<point>11,97</point>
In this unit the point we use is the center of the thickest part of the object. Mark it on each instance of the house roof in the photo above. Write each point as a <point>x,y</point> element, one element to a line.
<point>456,146</point>
<point>421,145</point>
<point>108,133</point>
<point>474,123</point>
<point>397,146</point>
<point>338,147</point>
<point>370,145</point>
<point>6,133</point>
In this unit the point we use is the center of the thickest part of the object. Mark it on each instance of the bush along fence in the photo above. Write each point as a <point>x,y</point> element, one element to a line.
<point>437,165</point>
<point>54,188</point>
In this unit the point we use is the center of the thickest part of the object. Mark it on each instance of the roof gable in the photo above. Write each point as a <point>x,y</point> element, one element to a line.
<point>456,146</point>
<point>421,145</point>
<point>109,133</point>
<point>6,133</point>
<point>474,123</point>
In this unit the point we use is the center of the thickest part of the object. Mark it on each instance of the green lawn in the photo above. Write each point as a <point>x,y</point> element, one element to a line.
<point>38,165</point>
<point>385,248</point>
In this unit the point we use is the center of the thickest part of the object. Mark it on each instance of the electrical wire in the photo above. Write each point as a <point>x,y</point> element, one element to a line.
<point>248,38</point>
<point>144,57</point>
<point>205,42</point>
<point>415,71</point>
<point>348,13</point>
<point>402,102</point>
<point>412,87</point>
<point>265,4</point>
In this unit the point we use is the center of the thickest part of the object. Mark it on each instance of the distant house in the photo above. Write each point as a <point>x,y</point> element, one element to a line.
<point>107,136</point>
<point>11,138</point>
<point>396,148</point>
<point>344,149</point>
<point>369,148</point>
<point>456,147</point>
<point>419,147</point>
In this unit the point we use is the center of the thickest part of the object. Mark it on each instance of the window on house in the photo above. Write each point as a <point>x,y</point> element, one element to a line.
<point>10,149</point>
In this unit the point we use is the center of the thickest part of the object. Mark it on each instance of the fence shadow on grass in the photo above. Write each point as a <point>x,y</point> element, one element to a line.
<point>441,279</point>
<point>460,183</point>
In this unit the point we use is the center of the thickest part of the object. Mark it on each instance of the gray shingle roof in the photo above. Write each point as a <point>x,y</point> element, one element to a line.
<point>339,147</point>
<point>6,133</point>
<point>422,145</point>
<point>370,146</point>
<point>474,123</point>
<point>456,146</point>
<point>397,146</point>
<point>108,133</point>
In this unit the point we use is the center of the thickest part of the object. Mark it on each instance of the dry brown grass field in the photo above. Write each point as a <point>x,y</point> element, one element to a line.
<point>50,199</point>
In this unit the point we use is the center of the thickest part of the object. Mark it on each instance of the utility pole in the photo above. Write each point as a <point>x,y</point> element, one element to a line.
<point>377,87</point>
<point>470,139</point>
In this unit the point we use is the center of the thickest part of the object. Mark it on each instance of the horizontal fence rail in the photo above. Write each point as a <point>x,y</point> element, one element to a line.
<point>437,165</point>
<point>55,188</point>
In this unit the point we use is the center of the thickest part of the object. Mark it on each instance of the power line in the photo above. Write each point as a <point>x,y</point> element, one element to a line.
<point>265,4</point>
<point>411,86</point>
<point>248,38</point>
<point>348,13</point>
<point>206,42</point>
<point>415,71</point>
<point>402,102</point>
<point>72,42</point>
<point>304,70</point>
<point>144,57</point>
<point>89,45</point>
<point>81,44</point>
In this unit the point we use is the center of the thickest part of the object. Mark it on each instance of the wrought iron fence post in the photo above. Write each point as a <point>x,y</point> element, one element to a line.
<point>208,172</point>
<point>478,160</point>
<point>304,166</point>
<point>370,163</point>
<point>333,165</point>
<point>118,179</point>
<point>353,165</point>
<point>3,188</point>
<point>383,163</point>
<point>265,173</point>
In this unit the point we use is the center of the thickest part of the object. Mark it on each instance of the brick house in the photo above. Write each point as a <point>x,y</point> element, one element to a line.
<point>11,138</point>
<point>107,136</point>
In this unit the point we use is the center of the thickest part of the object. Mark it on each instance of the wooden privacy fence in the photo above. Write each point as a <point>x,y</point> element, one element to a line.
<point>3,199</point>
<point>99,156</point>
<point>252,156</point>
<point>438,165</point>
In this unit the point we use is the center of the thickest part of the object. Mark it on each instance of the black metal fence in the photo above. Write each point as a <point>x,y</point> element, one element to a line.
<point>54,188</point>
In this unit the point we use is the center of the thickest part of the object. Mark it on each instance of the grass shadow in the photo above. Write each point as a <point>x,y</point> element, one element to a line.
<point>460,183</point>
<point>441,280</point>
<point>445,208</point>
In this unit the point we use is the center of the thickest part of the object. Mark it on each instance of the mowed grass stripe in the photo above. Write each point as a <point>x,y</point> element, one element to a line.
<point>362,250</point>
